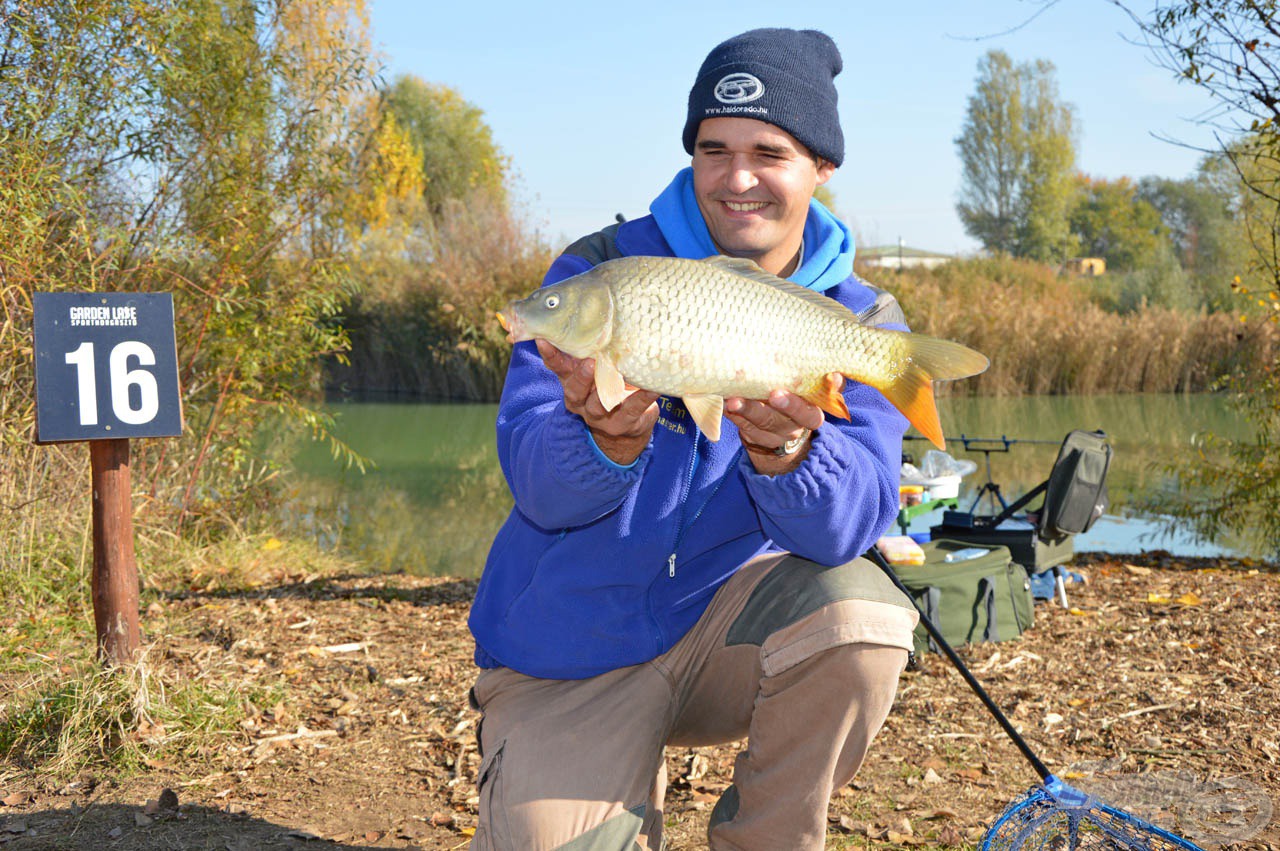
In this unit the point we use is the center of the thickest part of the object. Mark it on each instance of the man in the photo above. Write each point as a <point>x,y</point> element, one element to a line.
<point>653,588</point>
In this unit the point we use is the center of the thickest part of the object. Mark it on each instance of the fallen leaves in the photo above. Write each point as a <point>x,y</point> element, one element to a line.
<point>389,760</point>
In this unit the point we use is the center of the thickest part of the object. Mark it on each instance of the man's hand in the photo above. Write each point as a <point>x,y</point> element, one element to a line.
<point>621,434</point>
<point>763,426</point>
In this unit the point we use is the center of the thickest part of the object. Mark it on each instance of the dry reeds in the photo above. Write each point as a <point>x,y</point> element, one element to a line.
<point>1044,336</point>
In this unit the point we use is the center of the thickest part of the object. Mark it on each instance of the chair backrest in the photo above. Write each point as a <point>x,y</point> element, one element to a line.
<point>1076,492</point>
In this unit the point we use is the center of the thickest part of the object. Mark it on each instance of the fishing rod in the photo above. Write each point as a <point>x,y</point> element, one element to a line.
<point>975,444</point>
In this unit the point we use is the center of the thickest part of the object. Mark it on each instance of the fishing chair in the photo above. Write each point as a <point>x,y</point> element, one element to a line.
<point>1074,497</point>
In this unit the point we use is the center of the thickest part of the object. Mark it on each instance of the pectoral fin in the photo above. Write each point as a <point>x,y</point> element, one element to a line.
<point>826,395</point>
<point>609,384</point>
<point>707,412</point>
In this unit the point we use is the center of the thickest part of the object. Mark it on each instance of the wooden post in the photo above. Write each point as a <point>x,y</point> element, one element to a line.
<point>115,572</point>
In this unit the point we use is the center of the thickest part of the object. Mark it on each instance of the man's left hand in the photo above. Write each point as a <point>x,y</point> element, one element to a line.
<point>765,425</point>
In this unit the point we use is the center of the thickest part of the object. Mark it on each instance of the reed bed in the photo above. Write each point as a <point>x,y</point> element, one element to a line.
<point>1046,337</point>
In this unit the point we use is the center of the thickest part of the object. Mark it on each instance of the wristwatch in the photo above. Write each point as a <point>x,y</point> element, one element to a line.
<point>791,446</point>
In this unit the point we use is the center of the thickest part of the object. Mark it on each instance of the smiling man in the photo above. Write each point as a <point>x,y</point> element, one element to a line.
<point>653,588</point>
<point>753,182</point>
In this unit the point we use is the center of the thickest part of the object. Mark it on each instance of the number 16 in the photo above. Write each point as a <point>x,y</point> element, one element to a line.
<point>120,378</point>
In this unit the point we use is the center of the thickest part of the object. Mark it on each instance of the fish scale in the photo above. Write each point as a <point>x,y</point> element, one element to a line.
<point>703,330</point>
<point>747,358</point>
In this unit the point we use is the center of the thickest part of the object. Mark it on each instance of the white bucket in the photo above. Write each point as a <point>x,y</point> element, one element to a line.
<point>943,487</point>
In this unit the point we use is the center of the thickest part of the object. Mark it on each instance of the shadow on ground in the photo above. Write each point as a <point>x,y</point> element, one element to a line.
<point>129,828</point>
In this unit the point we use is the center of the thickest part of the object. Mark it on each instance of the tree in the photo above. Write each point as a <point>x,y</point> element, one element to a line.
<point>459,154</point>
<point>1017,154</point>
<point>202,148</point>
<point>1109,220</point>
<point>1199,215</point>
<point>1228,48</point>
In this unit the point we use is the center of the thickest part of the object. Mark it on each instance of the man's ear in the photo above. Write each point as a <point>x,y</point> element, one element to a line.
<point>825,169</point>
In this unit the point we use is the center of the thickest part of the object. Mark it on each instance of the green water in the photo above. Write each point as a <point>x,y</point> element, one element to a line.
<point>437,495</point>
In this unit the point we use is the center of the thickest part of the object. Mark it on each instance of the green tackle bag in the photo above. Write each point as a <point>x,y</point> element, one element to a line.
<point>981,594</point>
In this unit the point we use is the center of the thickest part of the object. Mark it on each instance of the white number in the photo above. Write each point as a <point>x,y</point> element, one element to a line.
<point>121,378</point>
<point>82,359</point>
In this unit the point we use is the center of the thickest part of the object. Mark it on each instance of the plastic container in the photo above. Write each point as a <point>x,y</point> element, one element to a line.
<point>965,554</point>
<point>900,549</point>
<point>943,487</point>
<point>911,495</point>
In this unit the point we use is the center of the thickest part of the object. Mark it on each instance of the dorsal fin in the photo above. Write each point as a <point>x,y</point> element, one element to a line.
<point>748,269</point>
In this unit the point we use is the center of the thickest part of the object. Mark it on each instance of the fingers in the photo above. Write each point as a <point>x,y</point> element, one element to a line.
<point>782,417</point>
<point>634,415</point>
<point>556,361</point>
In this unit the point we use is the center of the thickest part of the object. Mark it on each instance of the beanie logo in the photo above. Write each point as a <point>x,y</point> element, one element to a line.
<point>739,88</point>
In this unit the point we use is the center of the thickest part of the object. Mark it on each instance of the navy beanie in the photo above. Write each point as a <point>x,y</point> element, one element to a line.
<point>785,77</point>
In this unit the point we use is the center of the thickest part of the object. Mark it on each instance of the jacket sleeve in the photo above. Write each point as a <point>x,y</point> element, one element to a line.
<point>558,476</point>
<point>844,495</point>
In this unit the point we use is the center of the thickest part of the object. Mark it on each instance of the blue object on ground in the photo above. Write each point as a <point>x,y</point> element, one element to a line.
<point>1042,584</point>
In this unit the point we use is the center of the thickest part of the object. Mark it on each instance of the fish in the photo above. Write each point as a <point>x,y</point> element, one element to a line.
<point>703,330</point>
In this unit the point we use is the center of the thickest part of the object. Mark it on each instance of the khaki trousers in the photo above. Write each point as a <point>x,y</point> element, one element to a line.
<point>802,660</point>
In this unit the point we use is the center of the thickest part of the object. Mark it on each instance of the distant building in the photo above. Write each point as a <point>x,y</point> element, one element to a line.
<point>900,257</point>
<point>1088,266</point>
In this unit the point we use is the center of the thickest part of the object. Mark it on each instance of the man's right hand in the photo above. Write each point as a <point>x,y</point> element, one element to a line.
<point>621,434</point>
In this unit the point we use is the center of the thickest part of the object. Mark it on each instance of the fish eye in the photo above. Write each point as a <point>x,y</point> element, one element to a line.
<point>552,302</point>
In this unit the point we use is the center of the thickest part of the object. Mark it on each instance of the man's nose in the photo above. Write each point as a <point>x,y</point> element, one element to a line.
<point>741,177</point>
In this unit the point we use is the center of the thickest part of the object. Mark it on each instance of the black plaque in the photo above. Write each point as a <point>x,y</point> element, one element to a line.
<point>106,366</point>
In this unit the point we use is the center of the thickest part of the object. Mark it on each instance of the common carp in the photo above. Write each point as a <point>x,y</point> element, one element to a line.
<point>704,330</point>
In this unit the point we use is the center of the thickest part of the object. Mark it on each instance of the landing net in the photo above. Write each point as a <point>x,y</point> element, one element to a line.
<point>1057,817</point>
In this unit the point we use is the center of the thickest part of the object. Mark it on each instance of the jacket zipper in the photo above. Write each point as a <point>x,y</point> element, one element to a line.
<point>684,501</point>
<point>684,527</point>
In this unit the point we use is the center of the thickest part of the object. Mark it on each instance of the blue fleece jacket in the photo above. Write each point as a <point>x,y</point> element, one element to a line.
<point>601,566</point>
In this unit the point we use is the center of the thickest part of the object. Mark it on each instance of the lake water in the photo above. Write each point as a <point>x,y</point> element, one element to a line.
<point>436,496</point>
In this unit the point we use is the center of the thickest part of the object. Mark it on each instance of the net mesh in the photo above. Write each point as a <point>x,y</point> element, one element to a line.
<point>1056,817</point>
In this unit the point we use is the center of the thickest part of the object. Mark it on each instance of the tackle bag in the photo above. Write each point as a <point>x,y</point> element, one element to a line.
<point>971,593</point>
<point>1076,494</point>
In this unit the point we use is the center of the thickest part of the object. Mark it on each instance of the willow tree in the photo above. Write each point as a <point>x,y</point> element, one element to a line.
<point>459,154</point>
<point>1017,155</point>
<point>201,148</point>
<point>1228,48</point>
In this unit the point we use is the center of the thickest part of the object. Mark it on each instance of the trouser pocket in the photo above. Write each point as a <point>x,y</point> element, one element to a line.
<point>491,832</point>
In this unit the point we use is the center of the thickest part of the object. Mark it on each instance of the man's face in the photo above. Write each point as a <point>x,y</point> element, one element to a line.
<point>753,182</point>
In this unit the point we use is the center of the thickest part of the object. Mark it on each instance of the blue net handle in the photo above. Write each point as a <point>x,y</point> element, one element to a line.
<point>1068,796</point>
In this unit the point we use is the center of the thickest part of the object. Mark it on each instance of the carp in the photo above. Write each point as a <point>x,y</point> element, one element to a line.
<point>704,330</point>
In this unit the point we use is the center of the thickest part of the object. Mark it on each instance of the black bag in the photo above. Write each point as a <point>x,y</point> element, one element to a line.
<point>1076,495</point>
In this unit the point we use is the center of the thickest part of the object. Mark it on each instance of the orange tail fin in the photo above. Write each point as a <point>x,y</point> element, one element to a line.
<point>912,394</point>
<point>930,360</point>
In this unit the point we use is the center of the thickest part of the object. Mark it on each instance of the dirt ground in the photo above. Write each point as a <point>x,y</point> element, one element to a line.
<point>1157,690</point>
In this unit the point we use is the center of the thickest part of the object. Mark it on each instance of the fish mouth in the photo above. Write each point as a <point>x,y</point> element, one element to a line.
<point>513,325</point>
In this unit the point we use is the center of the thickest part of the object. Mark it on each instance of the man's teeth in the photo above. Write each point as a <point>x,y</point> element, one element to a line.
<point>744,207</point>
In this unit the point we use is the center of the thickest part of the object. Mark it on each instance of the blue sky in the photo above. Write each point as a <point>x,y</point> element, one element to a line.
<point>588,99</point>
